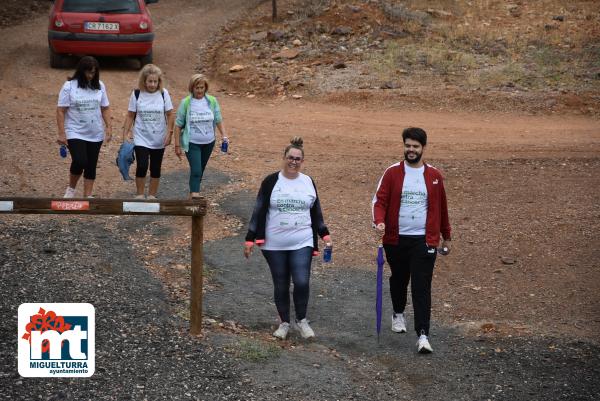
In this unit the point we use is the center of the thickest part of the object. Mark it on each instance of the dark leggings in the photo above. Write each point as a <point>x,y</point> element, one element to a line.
<point>294,264</point>
<point>84,157</point>
<point>412,261</point>
<point>142,155</point>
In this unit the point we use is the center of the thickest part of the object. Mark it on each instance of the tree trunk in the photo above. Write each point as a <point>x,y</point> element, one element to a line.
<point>274,10</point>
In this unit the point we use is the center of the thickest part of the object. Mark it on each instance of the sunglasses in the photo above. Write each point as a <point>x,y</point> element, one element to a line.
<point>294,159</point>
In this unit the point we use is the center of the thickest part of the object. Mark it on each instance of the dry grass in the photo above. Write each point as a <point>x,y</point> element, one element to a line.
<point>490,43</point>
<point>256,350</point>
<point>311,8</point>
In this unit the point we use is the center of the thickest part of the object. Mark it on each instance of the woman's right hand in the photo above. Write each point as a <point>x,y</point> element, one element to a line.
<point>61,139</point>
<point>248,248</point>
<point>178,151</point>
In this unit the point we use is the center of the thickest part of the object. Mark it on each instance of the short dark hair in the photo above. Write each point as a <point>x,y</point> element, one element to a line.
<point>87,63</point>
<point>414,133</point>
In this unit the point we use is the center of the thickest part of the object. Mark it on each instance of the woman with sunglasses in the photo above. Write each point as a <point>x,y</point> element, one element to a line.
<point>286,223</point>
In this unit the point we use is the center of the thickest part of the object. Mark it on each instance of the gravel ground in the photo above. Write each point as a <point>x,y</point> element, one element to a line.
<point>142,347</point>
<point>345,361</point>
<point>65,259</point>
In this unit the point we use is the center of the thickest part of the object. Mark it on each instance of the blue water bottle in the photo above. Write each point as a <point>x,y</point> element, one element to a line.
<point>224,145</point>
<point>327,253</point>
<point>63,151</point>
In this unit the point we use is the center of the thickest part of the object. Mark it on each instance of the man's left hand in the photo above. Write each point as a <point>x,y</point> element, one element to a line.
<point>446,244</point>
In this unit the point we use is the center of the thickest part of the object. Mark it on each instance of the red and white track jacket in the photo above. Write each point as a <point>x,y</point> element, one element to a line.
<point>386,204</point>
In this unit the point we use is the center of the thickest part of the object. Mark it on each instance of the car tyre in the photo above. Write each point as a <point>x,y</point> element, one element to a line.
<point>147,59</point>
<point>56,60</point>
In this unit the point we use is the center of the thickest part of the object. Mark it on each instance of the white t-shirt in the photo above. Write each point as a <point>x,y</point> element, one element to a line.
<point>150,125</point>
<point>202,130</point>
<point>288,225</point>
<point>83,119</point>
<point>413,204</point>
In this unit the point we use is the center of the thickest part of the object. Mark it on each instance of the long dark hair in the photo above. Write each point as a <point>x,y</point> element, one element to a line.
<point>87,63</point>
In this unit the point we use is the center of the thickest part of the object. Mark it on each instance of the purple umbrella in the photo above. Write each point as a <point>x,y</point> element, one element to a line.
<point>380,262</point>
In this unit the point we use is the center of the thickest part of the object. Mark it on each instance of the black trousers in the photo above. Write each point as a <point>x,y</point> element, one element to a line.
<point>412,261</point>
<point>143,155</point>
<point>84,157</point>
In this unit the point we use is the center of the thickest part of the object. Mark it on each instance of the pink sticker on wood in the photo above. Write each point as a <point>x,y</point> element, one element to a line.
<point>70,205</point>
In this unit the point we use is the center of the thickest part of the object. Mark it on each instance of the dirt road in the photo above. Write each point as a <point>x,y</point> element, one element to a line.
<point>522,187</point>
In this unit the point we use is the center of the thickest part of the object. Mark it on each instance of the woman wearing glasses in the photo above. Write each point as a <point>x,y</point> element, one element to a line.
<point>286,223</point>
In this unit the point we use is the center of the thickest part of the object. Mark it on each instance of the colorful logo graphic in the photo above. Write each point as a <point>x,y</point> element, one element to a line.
<point>56,340</point>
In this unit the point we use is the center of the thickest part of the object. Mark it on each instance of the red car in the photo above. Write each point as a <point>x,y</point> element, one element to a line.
<point>100,28</point>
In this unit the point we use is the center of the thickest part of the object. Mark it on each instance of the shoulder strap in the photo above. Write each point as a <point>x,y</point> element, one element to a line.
<point>137,94</point>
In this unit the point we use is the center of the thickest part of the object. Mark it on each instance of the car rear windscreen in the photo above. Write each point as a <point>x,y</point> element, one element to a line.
<point>101,6</point>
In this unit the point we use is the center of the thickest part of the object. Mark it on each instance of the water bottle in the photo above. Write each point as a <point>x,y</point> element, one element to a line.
<point>327,253</point>
<point>63,151</point>
<point>224,145</point>
<point>443,250</point>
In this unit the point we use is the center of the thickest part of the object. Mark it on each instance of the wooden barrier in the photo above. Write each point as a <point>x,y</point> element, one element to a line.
<point>195,208</point>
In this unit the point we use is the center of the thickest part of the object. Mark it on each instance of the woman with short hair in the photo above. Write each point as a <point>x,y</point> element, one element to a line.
<point>83,120</point>
<point>151,108</point>
<point>198,117</point>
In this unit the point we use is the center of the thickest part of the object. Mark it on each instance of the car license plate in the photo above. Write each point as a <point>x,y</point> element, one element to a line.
<point>102,26</point>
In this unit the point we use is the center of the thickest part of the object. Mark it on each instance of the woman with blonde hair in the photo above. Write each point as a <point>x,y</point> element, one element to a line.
<point>151,114</point>
<point>286,223</point>
<point>198,117</point>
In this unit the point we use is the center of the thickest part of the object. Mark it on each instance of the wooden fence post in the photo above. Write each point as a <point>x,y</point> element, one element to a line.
<point>195,208</point>
<point>197,271</point>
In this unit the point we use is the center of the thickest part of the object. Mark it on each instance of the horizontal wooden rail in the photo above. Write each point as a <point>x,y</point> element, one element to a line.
<point>196,208</point>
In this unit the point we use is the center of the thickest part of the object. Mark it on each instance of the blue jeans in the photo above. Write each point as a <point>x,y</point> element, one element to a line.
<point>294,264</point>
<point>198,156</point>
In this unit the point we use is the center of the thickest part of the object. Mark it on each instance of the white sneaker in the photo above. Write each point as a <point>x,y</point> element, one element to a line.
<point>282,331</point>
<point>70,192</point>
<point>150,197</point>
<point>304,328</point>
<point>423,346</point>
<point>142,196</point>
<point>398,323</point>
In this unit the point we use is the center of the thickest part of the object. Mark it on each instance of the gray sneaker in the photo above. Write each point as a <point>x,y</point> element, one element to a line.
<point>70,192</point>
<point>398,323</point>
<point>423,346</point>
<point>304,329</point>
<point>282,331</point>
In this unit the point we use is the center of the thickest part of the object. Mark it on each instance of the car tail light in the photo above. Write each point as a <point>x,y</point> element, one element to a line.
<point>143,25</point>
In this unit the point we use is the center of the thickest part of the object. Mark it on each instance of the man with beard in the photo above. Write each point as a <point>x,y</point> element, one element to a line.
<point>409,214</point>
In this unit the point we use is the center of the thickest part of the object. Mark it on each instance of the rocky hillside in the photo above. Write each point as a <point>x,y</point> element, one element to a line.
<point>538,56</point>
